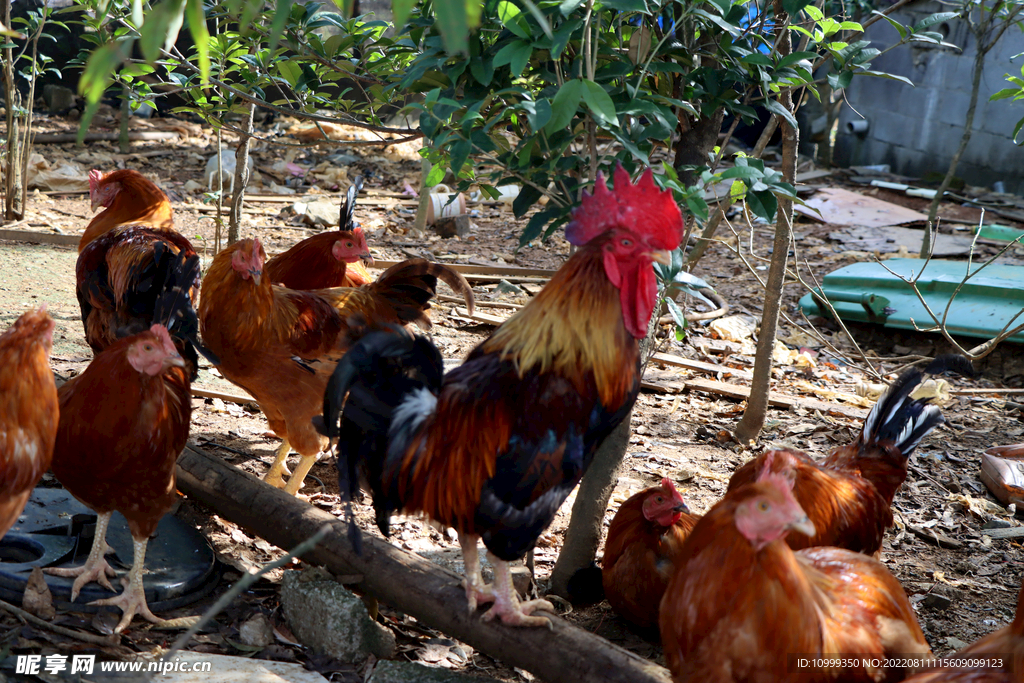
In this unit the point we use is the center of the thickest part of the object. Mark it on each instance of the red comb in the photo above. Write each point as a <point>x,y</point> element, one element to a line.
<point>642,209</point>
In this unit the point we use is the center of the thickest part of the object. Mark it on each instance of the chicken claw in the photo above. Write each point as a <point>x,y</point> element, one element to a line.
<point>95,567</point>
<point>132,600</point>
<point>477,592</point>
<point>275,475</point>
<point>507,606</point>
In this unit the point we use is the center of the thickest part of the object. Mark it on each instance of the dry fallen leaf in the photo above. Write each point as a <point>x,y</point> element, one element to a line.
<point>37,598</point>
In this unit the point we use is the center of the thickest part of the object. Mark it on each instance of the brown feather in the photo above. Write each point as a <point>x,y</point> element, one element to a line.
<point>28,411</point>
<point>139,201</point>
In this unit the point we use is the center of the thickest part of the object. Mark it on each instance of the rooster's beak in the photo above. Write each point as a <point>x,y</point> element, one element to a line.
<point>367,259</point>
<point>803,525</point>
<point>662,257</point>
<point>681,508</point>
<point>257,275</point>
<point>174,362</point>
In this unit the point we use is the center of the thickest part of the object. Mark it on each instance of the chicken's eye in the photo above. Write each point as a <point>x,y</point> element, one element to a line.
<point>147,347</point>
<point>626,242</point>
<point>763,506</point>
<point>659,500</point>
<point>348,244</point>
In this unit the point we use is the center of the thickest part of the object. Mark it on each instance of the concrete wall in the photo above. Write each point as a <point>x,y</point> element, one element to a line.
<point>917,129</point>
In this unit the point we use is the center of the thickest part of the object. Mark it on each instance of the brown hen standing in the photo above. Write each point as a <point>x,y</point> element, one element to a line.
<point>123,422</point>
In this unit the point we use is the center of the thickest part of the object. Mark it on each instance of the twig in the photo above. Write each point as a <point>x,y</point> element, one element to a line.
<point>108,641</point>
<point>241,585</point>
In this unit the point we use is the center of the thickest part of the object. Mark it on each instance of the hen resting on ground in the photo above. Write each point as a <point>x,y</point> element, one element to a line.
<point>643,542</point>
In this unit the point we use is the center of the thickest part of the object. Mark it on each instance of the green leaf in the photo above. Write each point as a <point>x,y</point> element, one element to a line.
<point>281,16</point>
<point>677,313</point>
<point>933,19</point>
<point>539,17</point>
<point>459,153</point>
<point>625,5</point>
<point>900,28</point>
<point>200,36</point>
<point>400,11</point>
<point>161,28</point>
<point>482,70</point>
<point>537,114</point>
<point>600,104</point>
<point>435,176</point>
<point>569,6</point>
<point>851,26</point>
<point>744,172</point>
<point>840,80</point>
<point>763,204</point>
<point>1005,93</point>
<point>453,22</point>
<point>814,13</point>
<point>535,225</point>
<point>96,76</point>
<point>516,54</point>
<point>290,71</point>
<point>892,77</point>
<point>512,19</point>
<point>563,106</point>
<point>776,108</point>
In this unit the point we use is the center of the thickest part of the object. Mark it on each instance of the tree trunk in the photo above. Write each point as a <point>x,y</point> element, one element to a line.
<point>241,177</point>
<point>584,533</point>
<point>407,582</point>
<point>757,407</point>
<point>933,210</point>
<point>697,138</point>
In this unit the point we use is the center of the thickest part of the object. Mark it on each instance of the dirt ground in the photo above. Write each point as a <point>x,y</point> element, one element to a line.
<point>674,434</point>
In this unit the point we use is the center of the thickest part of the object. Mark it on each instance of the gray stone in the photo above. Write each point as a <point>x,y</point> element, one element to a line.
<point>331,620</point>
<point>937,601</point>
<point>412,672</point>
<point>256,631</point>
<point>319,212</point>
<point>450,226</point>
<point>58,99</point>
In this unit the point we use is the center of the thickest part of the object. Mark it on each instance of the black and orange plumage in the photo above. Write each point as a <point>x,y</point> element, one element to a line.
<point>126,268</point>
<point>849,494</point>
<point>496,447</point>
<point>281,345</point>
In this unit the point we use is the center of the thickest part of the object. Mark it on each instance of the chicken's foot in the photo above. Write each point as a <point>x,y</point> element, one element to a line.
<point>306,464</point>
<point>275,475</point>
<point>133,600</point>
<point>95,567</point>
<point>477,592</point>
<point>506,602</point>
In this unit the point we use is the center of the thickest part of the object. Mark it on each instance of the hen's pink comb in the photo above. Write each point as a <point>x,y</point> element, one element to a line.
<point>642,209</point>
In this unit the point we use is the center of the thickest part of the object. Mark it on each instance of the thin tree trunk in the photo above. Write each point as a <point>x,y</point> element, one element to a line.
<point>933,210</point>
<point>757,406</point>
<point>12,166</point>
<point>584,533</point>
<point>241,176</point>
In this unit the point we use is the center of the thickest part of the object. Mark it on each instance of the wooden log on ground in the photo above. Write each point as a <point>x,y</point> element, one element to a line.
<point>406,581</point>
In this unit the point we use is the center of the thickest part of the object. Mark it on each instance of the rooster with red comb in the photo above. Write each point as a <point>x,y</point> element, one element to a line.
<point>494,447</point>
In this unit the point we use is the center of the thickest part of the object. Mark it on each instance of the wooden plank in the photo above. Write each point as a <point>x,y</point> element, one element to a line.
<point>775,399</point>
<point>479,317</point>
<point>467,269</point>
<point>1010,532</point>
<point>40,237</point>
<point>680,362</point>
<point>234,398</point>
<point>478,303</point>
